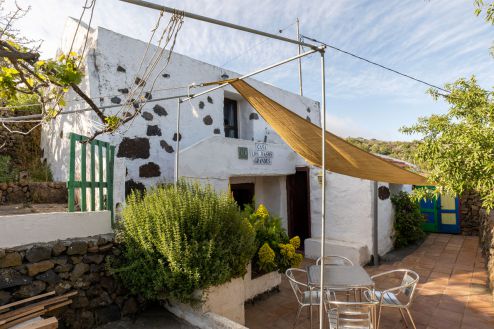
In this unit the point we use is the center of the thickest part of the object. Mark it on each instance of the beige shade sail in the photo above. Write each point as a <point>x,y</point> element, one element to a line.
<point>304,138</point>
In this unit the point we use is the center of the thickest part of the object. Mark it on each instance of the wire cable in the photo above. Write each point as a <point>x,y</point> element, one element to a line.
<point>376,64</point>
<point>254,46</point>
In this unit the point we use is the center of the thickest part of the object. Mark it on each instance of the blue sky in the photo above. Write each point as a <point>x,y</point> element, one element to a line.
<point>436,40</point>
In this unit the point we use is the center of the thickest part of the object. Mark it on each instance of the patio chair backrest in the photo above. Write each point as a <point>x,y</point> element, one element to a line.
<point>335,260</point>
<point>409,283</point>
<point>342,315</point>
<point>298,287</point>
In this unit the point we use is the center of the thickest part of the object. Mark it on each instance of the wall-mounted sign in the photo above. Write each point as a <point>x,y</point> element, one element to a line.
<point>261,155</point>
<point>243,153</point>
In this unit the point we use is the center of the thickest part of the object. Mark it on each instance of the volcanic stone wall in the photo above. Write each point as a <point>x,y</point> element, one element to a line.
<point>25,192</point>
<point>470,213</point>
<point>63,266</point>
<point>487,244</point>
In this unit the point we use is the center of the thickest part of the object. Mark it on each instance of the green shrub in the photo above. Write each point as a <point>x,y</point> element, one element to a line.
<point>408,220</point>
<point>275,250</point>
<point>7,172</point>
<point>180,239</point>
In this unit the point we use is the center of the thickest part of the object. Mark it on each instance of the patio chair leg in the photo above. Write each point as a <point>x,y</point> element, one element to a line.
<point>296,318</point>
<point>411,319</point>
<point>379,316</point>
<point>404,318</point>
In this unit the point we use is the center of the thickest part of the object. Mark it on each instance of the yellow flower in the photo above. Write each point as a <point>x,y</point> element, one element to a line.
<point>262,211</point>
<point>266,254</point>
<point>295,242</point>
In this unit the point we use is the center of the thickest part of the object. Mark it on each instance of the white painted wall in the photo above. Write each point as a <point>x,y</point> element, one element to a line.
<point>17,230</point>
<point>206,156</point>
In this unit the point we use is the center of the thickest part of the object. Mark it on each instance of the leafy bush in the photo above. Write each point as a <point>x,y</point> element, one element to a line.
<point>7,173</point>
<point>275,250</point>
<point>408,220</point>
<point>180,239</point>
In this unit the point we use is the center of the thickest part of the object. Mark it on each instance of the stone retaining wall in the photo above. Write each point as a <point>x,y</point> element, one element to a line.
<point>39,192</point>
<point>63,266</point>
<point>487,244</point>
<point>471,205</point>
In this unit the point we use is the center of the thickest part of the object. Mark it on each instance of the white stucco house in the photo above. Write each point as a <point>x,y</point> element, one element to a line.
<point>219,136</point>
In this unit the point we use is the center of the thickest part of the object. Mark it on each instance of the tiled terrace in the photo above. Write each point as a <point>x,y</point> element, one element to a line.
<point>452,292</point>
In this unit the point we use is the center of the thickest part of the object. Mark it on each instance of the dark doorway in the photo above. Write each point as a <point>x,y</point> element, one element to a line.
<point>230,118</point>
<point>298,199</point>
<point>243,193</point>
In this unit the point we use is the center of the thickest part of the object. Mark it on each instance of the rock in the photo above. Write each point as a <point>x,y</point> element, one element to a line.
<point>4,297</point>
<point>153,131</point>
<point>147,116</point>
<point>76,259</point>
<point>134,148</point>
<point>93,259</point>
<point>210,100</point>
<point>96,268</point>
<point>62,287</point>
<point>35,268</point>
<point>11,259</point>
<point>11,278</point>
<point>102,240</point>
<point>130,307</point>
<point>165,75</point>
<point>102,299</point>
<point>253,116</point>
<point>175,137</point>
<point>58,248</point>
<point>149,169</point>
<point>121,69</point>
<point>108,284</point>
<point>49,277</point>
<point>106,247</point>
<point>78,271</point>
<point>167,147</point>
<point>140,82</point>
<point>131,185</point>
<point>77,248</point>
<point>123,90</point>
<point>116,100</point>
<point>108,314</point>
<point>33,289</point>
<point>148,96</point>
<point>201,105</point>
<point>80,302</point>
<point>308,118</point>
<point>38,253</point>
<point>87,318</point>
<point>207,120</point>
<point>217,131</point>
<point>160,110</point>
<point>60,260</point>
<point>64,268</point>
<point>92,249</point>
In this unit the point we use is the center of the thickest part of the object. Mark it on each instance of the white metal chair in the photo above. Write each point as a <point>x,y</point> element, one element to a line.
<point>399,297</point>
<point>305,296</point>
<point>351,315</point>
<point>335,260</point>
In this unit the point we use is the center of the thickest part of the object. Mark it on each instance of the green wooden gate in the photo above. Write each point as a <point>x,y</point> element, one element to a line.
<point>103,150</point>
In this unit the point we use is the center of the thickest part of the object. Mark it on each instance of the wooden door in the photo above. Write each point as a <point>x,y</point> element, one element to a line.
<point>298,204</point>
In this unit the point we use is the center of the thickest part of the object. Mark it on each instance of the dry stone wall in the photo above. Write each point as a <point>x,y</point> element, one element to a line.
<point>25,192</point>
<point>487,244</point>
<point>63,266</point>
<point>471,206</point>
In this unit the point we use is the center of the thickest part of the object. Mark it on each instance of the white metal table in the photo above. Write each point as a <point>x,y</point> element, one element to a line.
<point>337,277</point>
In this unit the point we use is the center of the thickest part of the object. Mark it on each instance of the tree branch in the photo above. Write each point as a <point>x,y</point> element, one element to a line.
<point>11,53</point>
<point>89,101</point>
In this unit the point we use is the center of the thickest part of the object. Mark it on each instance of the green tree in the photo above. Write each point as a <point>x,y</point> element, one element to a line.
<point>457,148</point>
